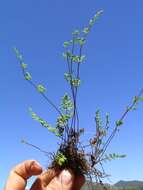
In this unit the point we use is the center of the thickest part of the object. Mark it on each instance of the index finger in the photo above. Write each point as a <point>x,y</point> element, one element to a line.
<point>44,179</point>
<point>20,173</point>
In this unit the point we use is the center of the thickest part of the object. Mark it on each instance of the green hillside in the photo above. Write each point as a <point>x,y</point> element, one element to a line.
<point>121,185</point>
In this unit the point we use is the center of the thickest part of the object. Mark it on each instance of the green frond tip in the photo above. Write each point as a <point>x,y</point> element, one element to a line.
<point>52,130</point>
<point>16,50</point>
<point>119,123</point>
<point>91,22</point>
<point>75,58</point>
<point>98,119</point>
<point>60,159</point>
<point>137,99</point>
<point>133,108</point>
<point>97,14</point>
<point>62,120</point>
<point>58,134</point>
<point>76,32</point>
<point>140,98</point>
<point>66,103</point>
<point>27,76</point>
<point>42,121</point>
<point>80,41</point>
<point>66,44</point>
<point>82,58</point>
<point>103,133</point>
<point>18,54</point>
<point>114,156</point>
<point>67,55</point>
<point>68,77</point>
<point>78,59</point>
<point>23,65</point>
<point>41,88</point>
<point>86,30</point>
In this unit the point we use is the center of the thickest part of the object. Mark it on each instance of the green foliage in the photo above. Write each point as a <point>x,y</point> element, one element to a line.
<point>62,123</point>
<point>67,125</point>
<point>60,159</point>
<point>62,120</point>
<point>27,76</point>
<point>133,108</point>
<point>80,41</point>
<point>68,77</point>
<point>114,156</point>
<point>97,15</point>
<point>86,30</point>
<point>23,65</point>
<point>43,122</point>
<point>119,123</point>
<point>66,103</point>
<point>92,21</point>
<point>75,82</point>
<point>67,55</point>
<point>137,99</point>
<point>41,88</point>
<point>78,59</point>
<point>66,44</point>
<point>98,119</point>
<point>18,54</point>
<point>76,32</point>
<point>103,132</point>
<point>82,58</point>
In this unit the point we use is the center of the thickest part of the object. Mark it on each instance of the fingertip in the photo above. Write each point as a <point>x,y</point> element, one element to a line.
<point>21,172</point>
<point>44,179</point>
<point>35,168</point>
<point>66,177</point>
<point>28,168</point>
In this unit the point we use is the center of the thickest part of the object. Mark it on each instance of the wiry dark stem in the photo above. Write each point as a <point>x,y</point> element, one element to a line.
<point>70,70</point>
<point>44,96</point>
<point>36,147</point>
<point>117,127</point>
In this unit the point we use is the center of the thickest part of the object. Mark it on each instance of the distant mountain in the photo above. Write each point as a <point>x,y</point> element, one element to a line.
<point>134,183</point>
<point>121,185</point>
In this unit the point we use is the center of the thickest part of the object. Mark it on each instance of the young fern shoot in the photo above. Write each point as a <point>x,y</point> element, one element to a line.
<point>72,154</point>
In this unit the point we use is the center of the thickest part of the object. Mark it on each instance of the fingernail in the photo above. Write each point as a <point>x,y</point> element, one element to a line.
<point>65,177</point>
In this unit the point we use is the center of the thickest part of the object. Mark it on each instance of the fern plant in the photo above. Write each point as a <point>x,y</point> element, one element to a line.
<point>83,159</point>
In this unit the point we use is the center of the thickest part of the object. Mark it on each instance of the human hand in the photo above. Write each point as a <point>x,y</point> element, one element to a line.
<point>49,180</point>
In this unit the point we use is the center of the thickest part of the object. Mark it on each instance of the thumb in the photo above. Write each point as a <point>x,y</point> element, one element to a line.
<point>64,181</point>
<point>18,176</point>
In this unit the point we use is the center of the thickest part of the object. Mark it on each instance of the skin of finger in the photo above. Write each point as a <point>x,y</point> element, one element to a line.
<point>77,183</point>
<point>49,181</point>
<point>19,175</point>
<point>44,179</point>
<point>15,182</point>
<point>27,169</point>
<point>57,181</point>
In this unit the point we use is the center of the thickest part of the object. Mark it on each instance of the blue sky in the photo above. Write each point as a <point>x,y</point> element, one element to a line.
<point>111,76</point>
